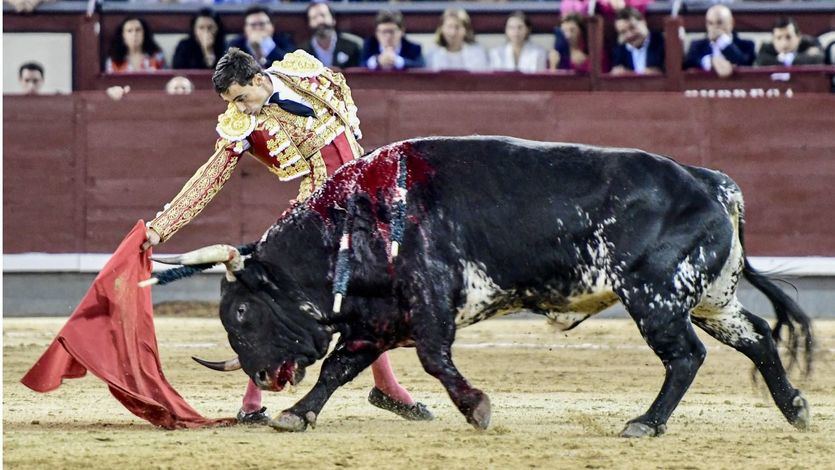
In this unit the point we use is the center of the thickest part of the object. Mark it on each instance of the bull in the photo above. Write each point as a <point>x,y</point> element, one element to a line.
<point>419,238</point>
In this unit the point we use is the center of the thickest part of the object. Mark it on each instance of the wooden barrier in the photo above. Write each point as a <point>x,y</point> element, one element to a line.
<point>79,170</point>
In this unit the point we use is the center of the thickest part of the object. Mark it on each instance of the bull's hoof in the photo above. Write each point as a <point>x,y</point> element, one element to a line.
<point>480,416</point>
<point>289,422</point>
<point>802,418</point>
<point>638,429</point>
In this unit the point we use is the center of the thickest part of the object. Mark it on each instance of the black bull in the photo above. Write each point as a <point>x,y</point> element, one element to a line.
<point>496,225</point>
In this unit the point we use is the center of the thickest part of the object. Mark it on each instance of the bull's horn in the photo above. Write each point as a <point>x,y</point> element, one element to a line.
<point>225,254</point>
<point>223,366</point>
<point>149,282</point>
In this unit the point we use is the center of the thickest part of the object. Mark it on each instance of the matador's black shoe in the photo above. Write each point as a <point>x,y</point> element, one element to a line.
<point>255,417</point>
<point>416,412</point>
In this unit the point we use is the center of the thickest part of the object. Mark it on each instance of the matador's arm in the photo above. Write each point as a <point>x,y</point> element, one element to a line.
<point>198,191</point>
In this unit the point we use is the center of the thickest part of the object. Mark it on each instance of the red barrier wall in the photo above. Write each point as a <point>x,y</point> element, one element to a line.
<point>79,170</point>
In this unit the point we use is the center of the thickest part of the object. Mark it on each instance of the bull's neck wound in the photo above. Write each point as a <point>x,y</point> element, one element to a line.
<point>375,175</point>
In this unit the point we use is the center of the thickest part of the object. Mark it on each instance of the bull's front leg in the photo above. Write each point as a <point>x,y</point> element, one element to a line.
<point>338,369</point>
<point>435,355</point>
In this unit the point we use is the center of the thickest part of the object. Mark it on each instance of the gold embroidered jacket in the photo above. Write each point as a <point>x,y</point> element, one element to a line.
<point>289,145</point>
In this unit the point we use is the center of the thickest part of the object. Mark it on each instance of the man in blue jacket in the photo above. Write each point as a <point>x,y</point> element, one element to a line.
<point>388,49</point>
<point>260,39</point>
<point>722,48</point>
<point>639,50</point>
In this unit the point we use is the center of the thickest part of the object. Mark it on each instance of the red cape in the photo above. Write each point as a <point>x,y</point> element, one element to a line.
<point>111,334</point>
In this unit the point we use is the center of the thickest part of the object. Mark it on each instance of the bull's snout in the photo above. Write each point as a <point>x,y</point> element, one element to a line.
<point>289,372</point>
<point>262,380</point>
<point>298,375</point>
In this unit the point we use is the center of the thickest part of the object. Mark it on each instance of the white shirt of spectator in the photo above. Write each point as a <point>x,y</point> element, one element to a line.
<point>325,56</point>
<point>532,58</point>
<point>399,62</point>
<point>471,57</point>
<point>787,58</point>
<point>639,56</point>
<point>267,46</point>
<point>284,92</point>
<point>716,47</point>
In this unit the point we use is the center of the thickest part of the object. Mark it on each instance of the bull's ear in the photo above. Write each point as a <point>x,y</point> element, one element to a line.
<point>369,253</point>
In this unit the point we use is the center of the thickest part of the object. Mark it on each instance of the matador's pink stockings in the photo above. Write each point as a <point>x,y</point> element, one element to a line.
<point>384,379</point>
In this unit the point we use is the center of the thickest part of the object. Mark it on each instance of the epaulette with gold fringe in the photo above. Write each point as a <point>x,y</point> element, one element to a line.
<point>299,64</point>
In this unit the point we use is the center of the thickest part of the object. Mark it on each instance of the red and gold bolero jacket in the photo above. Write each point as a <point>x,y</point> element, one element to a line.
<point>287,144</point>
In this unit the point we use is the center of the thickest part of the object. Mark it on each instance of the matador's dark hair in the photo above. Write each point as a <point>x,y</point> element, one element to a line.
<point>236,66</point>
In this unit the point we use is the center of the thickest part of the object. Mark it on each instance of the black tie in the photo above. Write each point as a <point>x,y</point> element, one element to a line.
<point>292,107</point>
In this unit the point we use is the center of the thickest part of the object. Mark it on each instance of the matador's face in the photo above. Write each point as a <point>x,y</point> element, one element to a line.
<point>249,99</point>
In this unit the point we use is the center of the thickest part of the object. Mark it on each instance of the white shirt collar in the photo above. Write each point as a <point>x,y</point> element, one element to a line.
<point>284,92</point>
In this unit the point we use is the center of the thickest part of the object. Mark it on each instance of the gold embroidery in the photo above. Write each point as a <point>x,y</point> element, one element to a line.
<point>315,179</point>
<point>234,125</point>
<point>196,193</point>
<point>299,64</point>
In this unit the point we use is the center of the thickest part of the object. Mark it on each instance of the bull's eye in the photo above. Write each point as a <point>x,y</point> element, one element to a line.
<point>241,312</point>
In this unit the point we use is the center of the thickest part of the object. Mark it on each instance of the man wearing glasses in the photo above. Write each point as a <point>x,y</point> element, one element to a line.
<point>388,49</point>
<point>260,39</point>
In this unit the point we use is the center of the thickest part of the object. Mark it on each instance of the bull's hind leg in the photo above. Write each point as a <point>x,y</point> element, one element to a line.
<point>667,330</point>
<point>751,335</point>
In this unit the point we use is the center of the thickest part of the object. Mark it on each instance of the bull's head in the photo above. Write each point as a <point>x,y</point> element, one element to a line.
<point>277,332</point>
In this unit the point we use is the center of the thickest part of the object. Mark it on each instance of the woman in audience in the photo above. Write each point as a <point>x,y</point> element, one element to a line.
<point>133,48</point>
<point>205,44</point>
<point>457,48</point>
<point>570,51</point>
<point>519,54</point>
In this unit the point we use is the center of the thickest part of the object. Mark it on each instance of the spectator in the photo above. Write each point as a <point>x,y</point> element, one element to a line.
<point>388,49</point>
<point>260,39</point>
<point>519,54</point>
<point>607,8</point>
<point>179,85</point>
<point>639,50</point>
<point>457,48</point>
<point>570,52</point>
<point>205,44</point>
<point>788,47</point>
<point>133,48</point>
<point>332,48</point>
<point>722,48</point>
<point>26,6</point>
<point>31,77</point>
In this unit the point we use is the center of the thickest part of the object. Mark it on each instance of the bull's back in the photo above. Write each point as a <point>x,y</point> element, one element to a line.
<point>525,209</point>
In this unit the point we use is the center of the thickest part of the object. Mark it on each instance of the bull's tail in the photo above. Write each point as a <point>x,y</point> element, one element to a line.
<point>789,314</point>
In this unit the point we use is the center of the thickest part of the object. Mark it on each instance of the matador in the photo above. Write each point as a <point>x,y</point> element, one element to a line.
<point>297,118</point>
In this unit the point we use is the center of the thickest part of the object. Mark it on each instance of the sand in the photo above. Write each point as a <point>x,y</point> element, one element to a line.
<point>559,400</point>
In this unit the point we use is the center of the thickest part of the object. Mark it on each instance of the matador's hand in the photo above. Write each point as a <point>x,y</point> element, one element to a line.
<point>151,239</point>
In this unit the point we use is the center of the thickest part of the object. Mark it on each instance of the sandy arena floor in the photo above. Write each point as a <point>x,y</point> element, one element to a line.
<point>559,401</point>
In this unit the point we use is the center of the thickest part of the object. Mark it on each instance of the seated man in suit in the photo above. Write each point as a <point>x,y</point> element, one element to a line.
<point>260,39</point>
<point>332,48</point>
<point>789,47</point>
<point>722,48</point>
<point>639,50</point>
<point>388,49</point>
